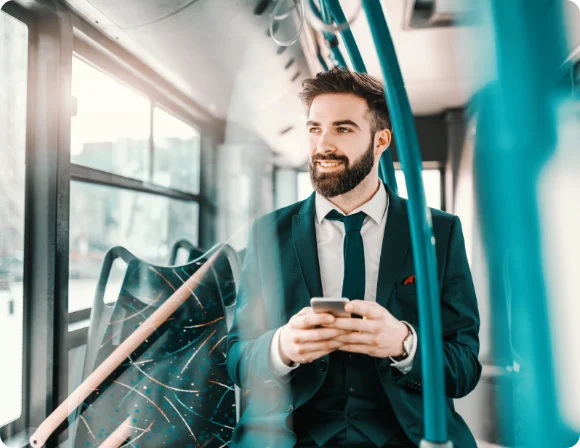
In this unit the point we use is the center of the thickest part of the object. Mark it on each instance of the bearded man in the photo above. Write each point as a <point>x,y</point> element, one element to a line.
<point>316,380</point>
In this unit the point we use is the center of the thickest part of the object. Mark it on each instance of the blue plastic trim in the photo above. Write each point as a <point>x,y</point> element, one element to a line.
<point>347,36</point>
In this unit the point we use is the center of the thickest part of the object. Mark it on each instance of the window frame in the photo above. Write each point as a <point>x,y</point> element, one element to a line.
<point>9,430</point>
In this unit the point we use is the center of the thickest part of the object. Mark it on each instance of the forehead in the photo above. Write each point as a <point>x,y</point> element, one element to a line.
<point>331,107</point>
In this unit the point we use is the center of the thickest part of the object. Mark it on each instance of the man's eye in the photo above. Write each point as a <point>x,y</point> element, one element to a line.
<point>314,130</point>
<point>343,130</point>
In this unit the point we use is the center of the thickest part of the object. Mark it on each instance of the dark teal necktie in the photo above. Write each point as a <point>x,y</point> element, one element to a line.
<point>353,284</point>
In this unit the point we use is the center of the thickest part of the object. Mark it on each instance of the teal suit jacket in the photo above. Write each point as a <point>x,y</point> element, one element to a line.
<point>280,275</point>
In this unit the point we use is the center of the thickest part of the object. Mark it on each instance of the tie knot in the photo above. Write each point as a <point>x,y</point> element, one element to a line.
<point>352,223</point>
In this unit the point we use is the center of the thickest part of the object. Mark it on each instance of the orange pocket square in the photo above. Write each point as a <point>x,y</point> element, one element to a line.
<point>410,280</point>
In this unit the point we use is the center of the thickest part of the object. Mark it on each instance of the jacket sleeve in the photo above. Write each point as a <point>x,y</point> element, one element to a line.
<point>460,325</point>
<point>249,339</point>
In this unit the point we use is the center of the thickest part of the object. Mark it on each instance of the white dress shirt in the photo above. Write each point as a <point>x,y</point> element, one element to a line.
<point>330,240</point>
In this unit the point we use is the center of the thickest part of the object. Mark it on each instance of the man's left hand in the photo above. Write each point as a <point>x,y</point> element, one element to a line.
<point>377,334</point>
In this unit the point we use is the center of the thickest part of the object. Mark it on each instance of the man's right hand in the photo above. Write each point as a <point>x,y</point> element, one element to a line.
<point>302,342</point>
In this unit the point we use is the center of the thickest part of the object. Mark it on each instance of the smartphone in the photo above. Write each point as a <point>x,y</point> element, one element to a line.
<point>332,305</point>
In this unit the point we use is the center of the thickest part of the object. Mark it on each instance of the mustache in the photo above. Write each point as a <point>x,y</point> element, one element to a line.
<point>319,157</point>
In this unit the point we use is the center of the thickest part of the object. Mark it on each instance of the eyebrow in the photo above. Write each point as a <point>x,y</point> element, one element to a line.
<point>335,123</point>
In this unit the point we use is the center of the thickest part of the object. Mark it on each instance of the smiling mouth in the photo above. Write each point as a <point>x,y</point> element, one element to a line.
<point>328,164</point>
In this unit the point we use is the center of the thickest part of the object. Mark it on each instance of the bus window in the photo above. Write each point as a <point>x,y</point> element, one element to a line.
<point>431,184</point>
<point>13,84</point>
<point>103,217</point>
<point>176,157</point>
<point>110,131</point>
<point>111,142</point>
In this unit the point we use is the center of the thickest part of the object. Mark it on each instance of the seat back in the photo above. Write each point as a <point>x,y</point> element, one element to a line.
<point>174,388</point>
<point>101,312</point>
<point>193,252</point>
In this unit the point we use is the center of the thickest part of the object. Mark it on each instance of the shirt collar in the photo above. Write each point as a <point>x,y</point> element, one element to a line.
<point>375,208</point>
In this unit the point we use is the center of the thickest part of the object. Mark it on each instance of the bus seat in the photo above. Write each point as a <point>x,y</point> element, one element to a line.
<point>101,312</point>
<point>174,388</point>
<point>192,252</point>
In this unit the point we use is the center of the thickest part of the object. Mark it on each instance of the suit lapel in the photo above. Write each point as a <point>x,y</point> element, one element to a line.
<point>304,236</point>
<point>396,243</point>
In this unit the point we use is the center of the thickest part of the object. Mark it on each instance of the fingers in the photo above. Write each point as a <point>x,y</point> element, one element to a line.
<point>305,320</point>
<point>316,355</point>
<point>364,308</point>
<point>317,334</point>
<point>360,348</point>
<point>350,324</point>
<point>313,350</point>
<point>357,338</point>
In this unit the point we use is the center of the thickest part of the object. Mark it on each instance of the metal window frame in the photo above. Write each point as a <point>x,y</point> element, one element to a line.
<point>9,430</point>
<point>46,213</point>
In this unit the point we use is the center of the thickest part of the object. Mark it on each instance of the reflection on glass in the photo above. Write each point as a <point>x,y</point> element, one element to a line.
<point>431,183</point>
<point>111,129</point>
<point>176,155</point>
<point>13,78</point>
<point>103,217</point>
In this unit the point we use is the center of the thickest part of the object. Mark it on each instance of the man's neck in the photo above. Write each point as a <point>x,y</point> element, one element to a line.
<point>358,196</point>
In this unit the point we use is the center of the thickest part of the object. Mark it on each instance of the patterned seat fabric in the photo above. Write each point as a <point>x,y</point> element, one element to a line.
<point>174,389</point>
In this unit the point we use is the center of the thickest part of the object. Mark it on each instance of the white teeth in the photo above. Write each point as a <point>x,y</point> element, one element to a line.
<point>329,164</point>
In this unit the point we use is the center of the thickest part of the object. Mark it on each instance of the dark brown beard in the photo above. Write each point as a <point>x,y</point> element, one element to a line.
<point>331,185</point>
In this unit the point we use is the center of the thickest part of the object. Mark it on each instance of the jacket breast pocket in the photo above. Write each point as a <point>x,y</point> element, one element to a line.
<point>407,303</point>
<point>406,290</point>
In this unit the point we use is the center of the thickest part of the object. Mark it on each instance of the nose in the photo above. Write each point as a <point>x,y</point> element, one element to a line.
<point>324,144</point>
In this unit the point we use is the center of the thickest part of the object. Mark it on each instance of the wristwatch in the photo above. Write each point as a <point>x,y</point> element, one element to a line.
<point>407,345</point>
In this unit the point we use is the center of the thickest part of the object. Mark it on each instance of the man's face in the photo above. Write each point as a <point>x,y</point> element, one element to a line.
<point>341,143</point>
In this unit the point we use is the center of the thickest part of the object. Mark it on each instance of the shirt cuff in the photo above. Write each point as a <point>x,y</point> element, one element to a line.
<point>277,366</point>
<point>406,364</point>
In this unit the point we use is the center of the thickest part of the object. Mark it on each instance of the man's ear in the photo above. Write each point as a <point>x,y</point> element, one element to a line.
<point>382,141</point>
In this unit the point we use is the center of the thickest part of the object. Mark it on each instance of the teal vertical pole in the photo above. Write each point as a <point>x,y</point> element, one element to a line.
<point>423,243</point>
<point>347,37</point>
<point>517,134</point>
<point>332,40</point>
<point>386,167</point>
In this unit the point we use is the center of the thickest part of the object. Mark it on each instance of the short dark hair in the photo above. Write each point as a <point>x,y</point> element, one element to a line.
<point>342,80</point>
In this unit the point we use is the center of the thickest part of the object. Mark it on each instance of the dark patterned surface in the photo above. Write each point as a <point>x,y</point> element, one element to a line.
<point>174,389</point>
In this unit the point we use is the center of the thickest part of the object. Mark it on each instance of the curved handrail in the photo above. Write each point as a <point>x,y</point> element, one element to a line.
<point>422,239</point>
